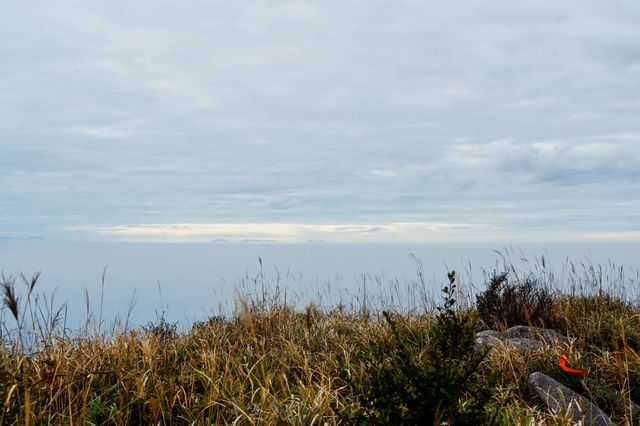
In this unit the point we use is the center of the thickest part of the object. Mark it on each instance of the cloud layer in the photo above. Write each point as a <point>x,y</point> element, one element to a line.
<point>505,119</point>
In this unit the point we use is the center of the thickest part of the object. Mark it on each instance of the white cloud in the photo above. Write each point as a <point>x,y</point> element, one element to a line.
<point>283,232</point>
<point>418,232</point>
<point>328,112</point>
<point>100,132</point>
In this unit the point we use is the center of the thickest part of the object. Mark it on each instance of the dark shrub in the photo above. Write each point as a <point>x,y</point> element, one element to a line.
<point>163,329</point>
<point>505,304</point>
<point>423,378</point>
<point>211,321</point>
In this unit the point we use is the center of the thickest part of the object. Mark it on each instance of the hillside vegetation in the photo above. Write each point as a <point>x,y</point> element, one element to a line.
<point>273,363</point>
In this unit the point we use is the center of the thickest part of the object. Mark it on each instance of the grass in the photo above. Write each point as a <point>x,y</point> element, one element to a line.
<point>273,363</point>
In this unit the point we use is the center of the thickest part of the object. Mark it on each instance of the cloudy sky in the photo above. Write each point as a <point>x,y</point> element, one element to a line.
<point>320,120</point>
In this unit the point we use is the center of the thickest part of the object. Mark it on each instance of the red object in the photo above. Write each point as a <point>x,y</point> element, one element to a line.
<point>562,362</point>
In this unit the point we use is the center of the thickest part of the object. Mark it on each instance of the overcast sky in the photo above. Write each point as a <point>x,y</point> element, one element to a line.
<point>320,120</point>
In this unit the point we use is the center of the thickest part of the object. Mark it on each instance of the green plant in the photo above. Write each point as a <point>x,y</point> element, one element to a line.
<point>100,411</point>
<point>211,321</point>
<point>163,329</point>
<point>424,381</point>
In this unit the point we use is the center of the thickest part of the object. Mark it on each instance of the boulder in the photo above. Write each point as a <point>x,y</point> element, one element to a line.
<point>524,344</point>
<point>521,337</point>
<point>562,400</point>
<point>546,335</point>
<point>488,338</point>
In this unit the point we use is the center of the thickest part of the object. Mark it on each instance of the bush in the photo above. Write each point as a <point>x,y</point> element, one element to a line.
<point>211,321</point>
<point>505,304</point>
<point>423,379</point>
<point>163,329</point>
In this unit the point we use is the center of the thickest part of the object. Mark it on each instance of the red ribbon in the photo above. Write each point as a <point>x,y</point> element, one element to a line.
<point>562,362</point>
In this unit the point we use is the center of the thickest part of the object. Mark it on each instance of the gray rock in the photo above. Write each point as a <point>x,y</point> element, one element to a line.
<point>488,339</point>
<point>562,400</point>
<point>489,334</point>
<point>520,337</point>
<point>524,344</point>
<point>546,335</point>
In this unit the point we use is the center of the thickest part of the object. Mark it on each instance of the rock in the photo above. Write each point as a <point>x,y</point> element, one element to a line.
<point>521,337</point>
<point>546,335</point>
<point>562,400</point>
<point>487,339</point>
<point>524,344</point>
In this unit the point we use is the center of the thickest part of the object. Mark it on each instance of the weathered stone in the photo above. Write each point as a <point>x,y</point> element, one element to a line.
<point>562,400</point>
<point>519,337</point>
<point>524,344</point>
<point>547,335</point>
<point>487,339</point>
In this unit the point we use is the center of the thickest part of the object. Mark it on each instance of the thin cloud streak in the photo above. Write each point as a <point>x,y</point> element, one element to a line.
<point>416,232</point>
<point>282,232</point>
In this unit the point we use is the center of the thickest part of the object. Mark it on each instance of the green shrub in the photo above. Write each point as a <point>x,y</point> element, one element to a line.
<point>211,321</point>
<point>424,378</point>
<point>163,329</point>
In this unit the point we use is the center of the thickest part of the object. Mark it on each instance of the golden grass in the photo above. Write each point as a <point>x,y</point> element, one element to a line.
<point>277,365</point>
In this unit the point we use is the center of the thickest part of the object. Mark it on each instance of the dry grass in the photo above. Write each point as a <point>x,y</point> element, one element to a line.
<point>278,365</point>
<point>258,368</point>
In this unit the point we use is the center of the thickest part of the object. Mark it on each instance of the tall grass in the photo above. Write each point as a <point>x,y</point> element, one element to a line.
<point>275,361</point>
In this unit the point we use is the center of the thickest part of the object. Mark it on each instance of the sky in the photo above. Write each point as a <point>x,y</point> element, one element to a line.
<point>320,121</point>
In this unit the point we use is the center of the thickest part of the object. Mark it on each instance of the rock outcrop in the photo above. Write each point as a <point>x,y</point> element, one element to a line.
<point>562,400</point>
<point>521,337</point>
<point>558,398</point>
